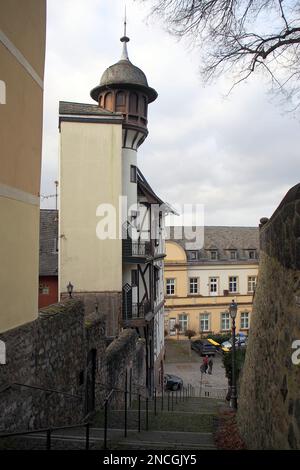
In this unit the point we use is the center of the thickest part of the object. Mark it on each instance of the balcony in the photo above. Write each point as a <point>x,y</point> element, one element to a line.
<point>136,252</point>
<point>134,311</point>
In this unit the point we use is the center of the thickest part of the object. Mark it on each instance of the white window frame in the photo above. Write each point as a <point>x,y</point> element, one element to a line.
<point>170,284</point>
<point>233,283</point>
<point>183,322</point>
<point>206,321</point>
<point>214,252</point>
<point>193,286</point>
<point>225,321</point>
<point>243,320</point>
<point>233,255</point>
<point>216,283</point>
<point>252,280</point>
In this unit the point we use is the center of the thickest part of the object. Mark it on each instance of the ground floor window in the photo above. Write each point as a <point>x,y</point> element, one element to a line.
<point>233,284</point>
<point>244,320</point>
<point>204,322</point>
<point>183,322</point>
<point>225,321</point>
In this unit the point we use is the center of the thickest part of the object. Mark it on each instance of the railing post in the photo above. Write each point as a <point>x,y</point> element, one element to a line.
<point>48,439</point>
<point>162,398</point>
<point>139,424</point>
<point>168,401</point>
<point>125,413</point>
<point>155,402</point>
<point>147,414</point>
<point>172,401</point>
<point>176,395</point>
<point>105,424</point>
<point>87,436</point>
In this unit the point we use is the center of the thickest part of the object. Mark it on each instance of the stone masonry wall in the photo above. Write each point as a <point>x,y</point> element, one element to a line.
<point>51,353</point>
<point>269,403</point>
<point>56,352</point>
<point>126,353</point>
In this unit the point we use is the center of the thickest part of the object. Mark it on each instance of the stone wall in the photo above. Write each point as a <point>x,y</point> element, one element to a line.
<point>269,404</point>
<point>51,353</point>
<point>64,350</point>
<point>125,357</point>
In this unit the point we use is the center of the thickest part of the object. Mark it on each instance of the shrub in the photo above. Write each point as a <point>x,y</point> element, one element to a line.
<point>190,333</point>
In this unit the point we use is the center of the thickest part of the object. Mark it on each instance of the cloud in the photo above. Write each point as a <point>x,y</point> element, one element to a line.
<point>237,155</point>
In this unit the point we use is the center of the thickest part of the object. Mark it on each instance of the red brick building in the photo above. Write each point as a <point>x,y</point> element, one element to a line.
<point>48,271</point>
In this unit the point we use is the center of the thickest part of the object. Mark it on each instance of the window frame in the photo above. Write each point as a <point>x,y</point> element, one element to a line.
<point>251,291</point>
<point>225,320</point>
<point>242,320</point>
<point>194,284</point>
<point>170,285</point>
<point>133,174</point>
<point>185,321</point>
<point>236,282</point>
<point>201,319</point>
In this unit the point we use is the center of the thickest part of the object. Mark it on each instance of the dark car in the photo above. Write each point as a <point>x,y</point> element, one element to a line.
<point>172,382</point>
<point>204,348</point>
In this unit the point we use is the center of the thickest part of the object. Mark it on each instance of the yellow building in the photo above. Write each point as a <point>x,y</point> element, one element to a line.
<point>201,282</point>
<point>22,53</point>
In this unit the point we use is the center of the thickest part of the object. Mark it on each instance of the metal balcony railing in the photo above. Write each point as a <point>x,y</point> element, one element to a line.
<point>136,248</point>
<point>132,311</point>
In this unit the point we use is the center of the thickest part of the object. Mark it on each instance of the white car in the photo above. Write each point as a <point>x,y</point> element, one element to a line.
<point>240,341</point>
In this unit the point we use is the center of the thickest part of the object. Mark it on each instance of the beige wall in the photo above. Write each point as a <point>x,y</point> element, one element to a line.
<point>22,51</point>
<point>90,174</point>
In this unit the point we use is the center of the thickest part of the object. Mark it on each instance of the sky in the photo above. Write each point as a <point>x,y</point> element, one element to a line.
<point>237,154</point>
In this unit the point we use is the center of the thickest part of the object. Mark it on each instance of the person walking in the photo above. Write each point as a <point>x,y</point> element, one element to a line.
<point>210,366</point>
<point>205,363</point>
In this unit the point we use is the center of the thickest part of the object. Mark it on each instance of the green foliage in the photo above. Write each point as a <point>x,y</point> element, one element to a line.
<point>190,333</point>
<point>239,362</point>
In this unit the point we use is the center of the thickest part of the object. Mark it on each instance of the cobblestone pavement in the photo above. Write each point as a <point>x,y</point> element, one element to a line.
<point>190,371</point>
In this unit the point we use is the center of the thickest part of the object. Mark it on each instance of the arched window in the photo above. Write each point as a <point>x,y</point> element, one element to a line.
<point>108,102</point>
<point>133,103</point>
<point>145,106</point>
<point>120,102</point>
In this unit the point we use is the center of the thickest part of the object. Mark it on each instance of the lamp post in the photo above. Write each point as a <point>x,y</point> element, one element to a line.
<point>233,398</point>
<point>70,289</point>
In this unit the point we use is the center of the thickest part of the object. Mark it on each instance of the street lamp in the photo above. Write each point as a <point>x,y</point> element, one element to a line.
<point>233,313</point>
<point>70,289</point>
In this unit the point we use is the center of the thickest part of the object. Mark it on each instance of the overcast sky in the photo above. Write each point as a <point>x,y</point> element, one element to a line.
<point>237,155</point>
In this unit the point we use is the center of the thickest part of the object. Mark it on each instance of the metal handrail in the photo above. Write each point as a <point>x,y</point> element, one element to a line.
<point>49,431</point>
<point>35,387</point>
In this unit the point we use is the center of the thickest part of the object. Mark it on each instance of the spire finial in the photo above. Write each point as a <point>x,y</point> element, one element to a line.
<point>124,39</point>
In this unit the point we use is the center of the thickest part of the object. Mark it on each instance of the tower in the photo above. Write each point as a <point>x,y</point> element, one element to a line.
<point>124,89</point>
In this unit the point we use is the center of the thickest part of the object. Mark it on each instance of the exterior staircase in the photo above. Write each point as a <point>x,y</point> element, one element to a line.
<point>187,424</point>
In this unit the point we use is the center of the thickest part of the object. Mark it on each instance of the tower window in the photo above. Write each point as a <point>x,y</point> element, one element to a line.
<point>133,103</point>
<point>108,102</point>
<point>120,102</point>
<point>145,106</point>
<point>133,175</point>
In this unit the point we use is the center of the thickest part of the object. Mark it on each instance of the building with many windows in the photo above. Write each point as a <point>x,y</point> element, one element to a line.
<point>200,283</point>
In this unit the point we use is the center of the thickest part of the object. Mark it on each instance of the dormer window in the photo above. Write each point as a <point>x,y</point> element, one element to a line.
<point>233,254</point>
<point>193,255</point>
<point>213,255</point>
<point>252,254</point>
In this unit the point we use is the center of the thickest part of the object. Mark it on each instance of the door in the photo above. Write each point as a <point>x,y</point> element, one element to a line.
<point>172,323</point>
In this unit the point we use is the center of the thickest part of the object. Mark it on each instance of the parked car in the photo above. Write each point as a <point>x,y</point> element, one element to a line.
<point>240,341</point>
<point>172,382</point>
<point>204,348</point>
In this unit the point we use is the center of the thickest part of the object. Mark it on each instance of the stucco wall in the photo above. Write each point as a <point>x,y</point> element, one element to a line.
<point>269,403</point>
<point>22,53</point>
<point>90,174</point>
